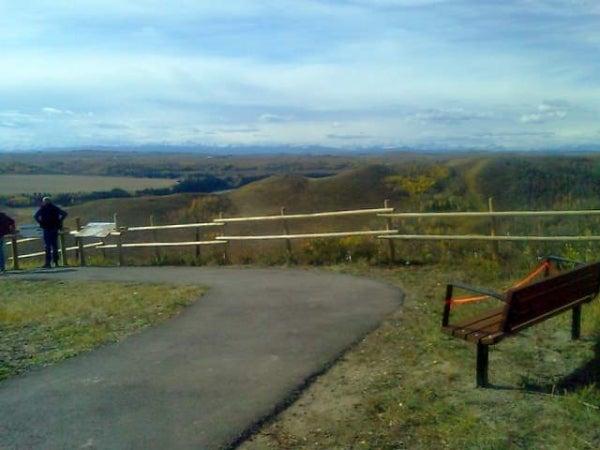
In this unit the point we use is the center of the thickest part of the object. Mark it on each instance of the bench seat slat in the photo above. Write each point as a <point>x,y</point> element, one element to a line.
<point>485,331</point>
<point>478,327</point>
<point>473,323</point>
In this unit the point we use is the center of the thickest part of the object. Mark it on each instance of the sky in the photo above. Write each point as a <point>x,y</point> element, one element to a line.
<point>480,74</point>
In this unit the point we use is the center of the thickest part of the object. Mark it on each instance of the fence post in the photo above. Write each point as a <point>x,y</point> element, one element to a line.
<point>15,251</point>
<point>154,239</point>
<point>389,226</point>
<point>495,248</point>
<point>80,250</point>
<point>77,228</point>
<point>120,231</point>
<point>63,248</point>
<point>288,242</point>
<point>120,247</point>
<point>227,251</point>
<point>197,236</point>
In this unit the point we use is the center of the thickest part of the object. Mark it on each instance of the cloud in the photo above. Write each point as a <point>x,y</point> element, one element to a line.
<point>399,3</point>
<point>16,120</point>
<point>8,124</point>
<point>112,126</point>
<point>516,134</point>
<point>274,118</point>
<point>449,116</point>
<point>239,130</point>
<point>546,112</point>
<point>351,137</point>
<point>56,112</point>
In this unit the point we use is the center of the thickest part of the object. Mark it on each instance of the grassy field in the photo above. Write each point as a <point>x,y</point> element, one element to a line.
<point>42,322</point>
<point>54,184</point>
<point>408,385</point>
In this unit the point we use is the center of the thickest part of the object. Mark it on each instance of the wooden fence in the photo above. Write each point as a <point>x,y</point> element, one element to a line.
<point>63,250</point>
<point>389,231</point>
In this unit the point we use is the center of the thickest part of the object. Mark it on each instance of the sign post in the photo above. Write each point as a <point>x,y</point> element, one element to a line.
<point>92,229</point>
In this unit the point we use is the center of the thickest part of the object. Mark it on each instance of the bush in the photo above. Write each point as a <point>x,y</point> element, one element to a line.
<point>334,251</point>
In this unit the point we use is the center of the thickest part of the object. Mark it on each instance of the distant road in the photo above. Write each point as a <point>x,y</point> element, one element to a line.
<point>203,379</point>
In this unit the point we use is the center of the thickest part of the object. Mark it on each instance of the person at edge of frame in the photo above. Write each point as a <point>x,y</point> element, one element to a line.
<point>7,226</point>
<point>50,218</point>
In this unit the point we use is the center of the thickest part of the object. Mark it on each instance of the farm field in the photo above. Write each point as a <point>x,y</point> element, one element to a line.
<point>54,184</point>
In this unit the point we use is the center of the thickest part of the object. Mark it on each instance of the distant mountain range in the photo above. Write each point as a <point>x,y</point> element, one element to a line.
<point>239,150</point>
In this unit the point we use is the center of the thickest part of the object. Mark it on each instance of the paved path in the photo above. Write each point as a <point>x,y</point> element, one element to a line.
<point>202,379</point>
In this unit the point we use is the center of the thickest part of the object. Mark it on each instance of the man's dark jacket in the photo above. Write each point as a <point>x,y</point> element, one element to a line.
<point>50,217</point>
<point>7,225</point>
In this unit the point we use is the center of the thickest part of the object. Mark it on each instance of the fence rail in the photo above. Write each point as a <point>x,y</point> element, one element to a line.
<point>22,241</point>
<point>483,237</point>
<point>440,215</point>
<point>68,249</point>
<point>306,236</point>
<point>176,226</point>
<point>161,244</point>
<point>355,212</point>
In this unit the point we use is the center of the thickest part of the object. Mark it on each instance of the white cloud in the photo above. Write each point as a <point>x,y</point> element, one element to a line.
<point>57,112</point>
<point>450,115</point>
<point>546,112</point>
<point>274,118</point>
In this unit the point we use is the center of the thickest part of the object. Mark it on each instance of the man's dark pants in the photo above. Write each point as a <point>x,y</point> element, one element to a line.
<point>51,246</point>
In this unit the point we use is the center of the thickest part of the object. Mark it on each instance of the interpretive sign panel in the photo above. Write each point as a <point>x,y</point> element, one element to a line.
<point>96,229</point>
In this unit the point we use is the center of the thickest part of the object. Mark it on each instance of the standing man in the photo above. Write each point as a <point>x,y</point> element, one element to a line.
<point>7,226</point>
<point>50,217</point>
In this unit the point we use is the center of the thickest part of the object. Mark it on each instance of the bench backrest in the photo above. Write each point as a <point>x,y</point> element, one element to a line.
<point>538,301</point>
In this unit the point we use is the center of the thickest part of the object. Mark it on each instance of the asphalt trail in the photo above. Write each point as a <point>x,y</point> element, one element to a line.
<point>204,378</point>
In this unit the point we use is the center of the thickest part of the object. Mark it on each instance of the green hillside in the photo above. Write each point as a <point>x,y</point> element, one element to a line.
<point>133,211</point>
<point>359,188</point>
<point>557,182</point>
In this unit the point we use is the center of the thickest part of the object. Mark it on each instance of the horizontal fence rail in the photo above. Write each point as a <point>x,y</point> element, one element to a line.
<point>306,236</point>
<point>176,226</point>
<point>482,237</point>
<point>494,238</point>
<point>22,241</point>
<point>161,244</point>
<point>68,249</point>
<point>457,214</point>
<point>355,212</point>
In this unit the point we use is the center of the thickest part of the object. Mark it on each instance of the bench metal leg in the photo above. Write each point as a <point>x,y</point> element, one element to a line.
<point>576,323</point>
<point>482,365</point>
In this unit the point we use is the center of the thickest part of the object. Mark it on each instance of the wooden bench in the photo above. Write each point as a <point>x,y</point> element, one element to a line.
<point>524,306</point>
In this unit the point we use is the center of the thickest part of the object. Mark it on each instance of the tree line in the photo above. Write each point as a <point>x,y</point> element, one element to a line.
<point>195,183</point>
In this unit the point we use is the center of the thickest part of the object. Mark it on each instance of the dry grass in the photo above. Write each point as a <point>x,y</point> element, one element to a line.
<point>42,322</point>
<point>407,385</point>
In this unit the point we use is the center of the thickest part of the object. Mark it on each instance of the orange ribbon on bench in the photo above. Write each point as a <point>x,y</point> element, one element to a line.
<point>475,298</point>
